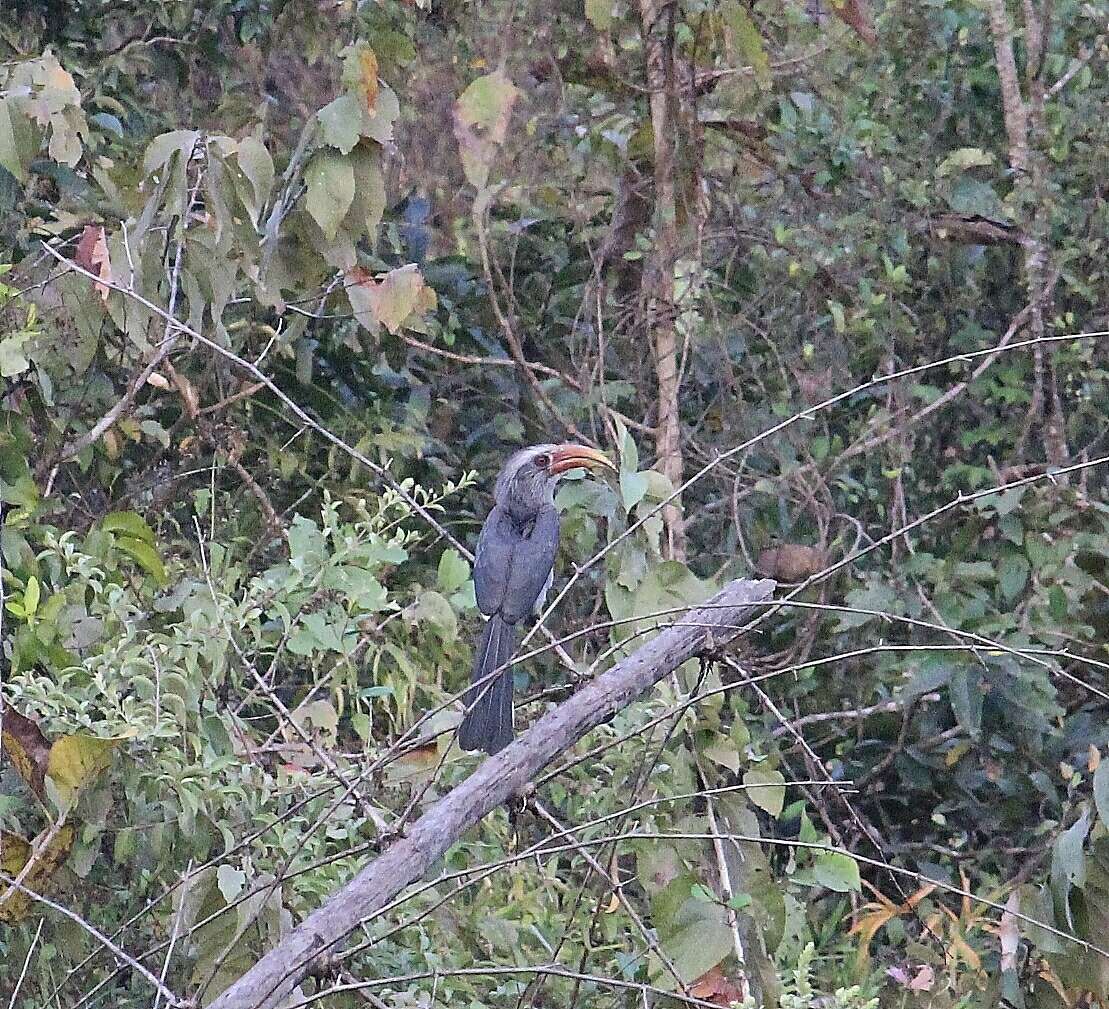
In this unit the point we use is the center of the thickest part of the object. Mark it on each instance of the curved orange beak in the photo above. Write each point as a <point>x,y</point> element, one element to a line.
<point>571,456</point>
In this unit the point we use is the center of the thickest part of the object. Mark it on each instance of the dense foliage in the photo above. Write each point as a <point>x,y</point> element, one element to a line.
<point>284,282</point>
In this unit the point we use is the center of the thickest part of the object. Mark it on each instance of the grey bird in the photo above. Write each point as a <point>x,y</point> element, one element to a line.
<point>513,569</point>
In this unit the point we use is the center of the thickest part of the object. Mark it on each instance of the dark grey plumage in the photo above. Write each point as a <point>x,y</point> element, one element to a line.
<point>513,568</point>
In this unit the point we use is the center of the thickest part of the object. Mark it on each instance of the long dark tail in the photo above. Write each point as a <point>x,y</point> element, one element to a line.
<point>488,726</point>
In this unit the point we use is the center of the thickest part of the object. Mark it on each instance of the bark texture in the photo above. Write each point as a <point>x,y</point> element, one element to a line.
<point>1024,117</point>
<point>656,19</point>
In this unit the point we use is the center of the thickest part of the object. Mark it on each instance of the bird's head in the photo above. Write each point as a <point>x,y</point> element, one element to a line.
<point>529,478</point>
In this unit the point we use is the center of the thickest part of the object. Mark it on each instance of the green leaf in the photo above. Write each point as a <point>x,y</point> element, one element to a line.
<point>748,41</point>
<point>377,124</point>
<point>633,488</point>
<point>106,121</point>
<point>1012,574</point>
<point>341,123</point>
<point>1068,862</point>
<point>31,596</point>
<point>454,570</point>
<point>693,933</point>
<point>875,596</point>
<point>837,871</point>
<point>740,902</point>
<point>766,789</point>
<point>358,587</point>
<point>933,672</point>
<point>360,722</point>
<point>972,196</point>
<point>9,147</point>
<point>701,892</point>
<point>330,180</point>
<point>487,104</point>
<point>369,191</point>
<point>145,556</point>
<point>629,451</point>
<point>964,158</point>
<point>667,587</point>
<point>257,165</point>
<point>724,753</point>
<point>481,117</point>
<point>129,524</point>
<point>599,14</point>
<point>434,608</point>
<point>13,358</point>
<point>163,147</point>
<point>231,881</point>
<point>1101,790</point>
<point>1057,603</point>
<point>964,690</point>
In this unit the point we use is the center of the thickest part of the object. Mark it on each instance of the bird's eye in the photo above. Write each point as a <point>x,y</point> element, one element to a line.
<point>543,461</point>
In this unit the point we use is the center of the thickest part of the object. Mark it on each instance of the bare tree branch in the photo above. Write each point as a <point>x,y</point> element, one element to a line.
<point>496,780</point>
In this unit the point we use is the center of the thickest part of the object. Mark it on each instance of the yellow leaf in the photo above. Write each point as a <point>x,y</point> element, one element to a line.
<point>367,62</point>
<point>360,74</point>
<point>917,897</point>
<point>14,854</point>
<point>414,766</point>
<point>866,927</point>
<point>391,301</point>
<point>78,760</point>
<point>966,896</point>
<point>879,913</point>
<point>111,443</point>
<point>956,753</point>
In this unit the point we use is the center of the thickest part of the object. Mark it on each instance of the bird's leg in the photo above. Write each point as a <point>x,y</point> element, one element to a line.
<point>712,651</point>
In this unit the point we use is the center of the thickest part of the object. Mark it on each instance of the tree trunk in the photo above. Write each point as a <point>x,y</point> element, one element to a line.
<point>657,294</point>
<point>1023,124</point>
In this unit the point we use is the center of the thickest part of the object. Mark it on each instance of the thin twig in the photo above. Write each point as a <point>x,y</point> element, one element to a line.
<point>27,963</point>
<point>119,954</point>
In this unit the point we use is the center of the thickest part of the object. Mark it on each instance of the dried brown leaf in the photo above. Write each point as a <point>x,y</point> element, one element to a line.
<point>27,748</point>
<point>92,255</point>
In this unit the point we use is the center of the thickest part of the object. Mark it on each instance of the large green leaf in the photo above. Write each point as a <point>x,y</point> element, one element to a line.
<point>144,555</point>
<point>967,695</point>
<point>129,524</point>
<point>481,117</point>
<point>766,788</point>
<point>837,871</point>
<point>341,123</point>
<point>693,933</point>
<point>330,181</point>
<point>10,155</point>
<point>1068,864</point>
<point>256,164</point>
<point>599,14</point>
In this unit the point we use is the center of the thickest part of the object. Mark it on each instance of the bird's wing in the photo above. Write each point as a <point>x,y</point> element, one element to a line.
<point>512,565</point>
<point>492,560</point>
<point>532,563</point>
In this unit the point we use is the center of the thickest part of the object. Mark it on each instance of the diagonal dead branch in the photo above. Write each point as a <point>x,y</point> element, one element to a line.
<point>497,779</point>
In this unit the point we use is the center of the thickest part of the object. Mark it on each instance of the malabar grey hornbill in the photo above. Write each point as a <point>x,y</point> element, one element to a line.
<point>513,569</point>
